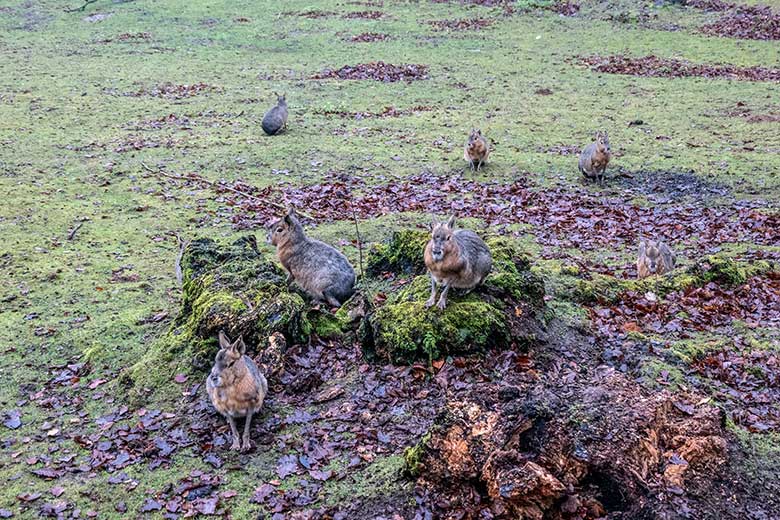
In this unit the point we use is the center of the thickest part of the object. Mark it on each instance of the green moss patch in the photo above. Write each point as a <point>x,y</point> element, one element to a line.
<point>403,253</point>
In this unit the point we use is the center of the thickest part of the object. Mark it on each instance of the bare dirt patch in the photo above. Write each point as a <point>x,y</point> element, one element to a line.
<point>747,23</point>
<point>461,24</point>
<point>653,66</point>
<point>377,71</point>
<point>369,37</point>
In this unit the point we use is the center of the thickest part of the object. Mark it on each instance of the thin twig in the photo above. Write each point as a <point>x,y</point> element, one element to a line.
<point>359,241</point>
<point>182,246</point>
<point>215,185</point>
<point>72,232</point>
<point>86,3</point>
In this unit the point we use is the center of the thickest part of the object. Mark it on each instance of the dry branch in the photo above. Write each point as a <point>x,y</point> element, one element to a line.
<point>77,9</point>
<point>182,246</point>
<point>215,186</point>
<point>72,232</point>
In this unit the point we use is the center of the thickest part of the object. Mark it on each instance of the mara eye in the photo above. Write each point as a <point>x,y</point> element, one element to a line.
<point>448,238</point>
<point>279,230</point>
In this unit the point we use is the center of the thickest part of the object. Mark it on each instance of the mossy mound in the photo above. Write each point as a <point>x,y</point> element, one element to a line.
<point>404,253</point>
<point>232,288</point>
<point>494,315</point>
<point>717,268</point>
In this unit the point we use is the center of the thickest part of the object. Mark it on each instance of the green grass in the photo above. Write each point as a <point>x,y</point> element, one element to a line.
<point>66,107</point>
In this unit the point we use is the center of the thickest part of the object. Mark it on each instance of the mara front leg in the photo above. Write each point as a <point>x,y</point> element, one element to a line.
<point>234,430</point>
<point>432,298</point>
<point>443,297</point>
<point>246,445</point>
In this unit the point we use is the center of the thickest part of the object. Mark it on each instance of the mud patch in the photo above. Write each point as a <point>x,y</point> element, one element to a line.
<point>655,67</point>
<point>369,37</point>
<point>377,71</point>
<point>461,24</point>
<point>747,23</point>
<point>667,187</point>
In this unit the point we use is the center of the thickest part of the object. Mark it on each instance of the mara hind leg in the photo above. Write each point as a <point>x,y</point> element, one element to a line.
<point>331,299</point>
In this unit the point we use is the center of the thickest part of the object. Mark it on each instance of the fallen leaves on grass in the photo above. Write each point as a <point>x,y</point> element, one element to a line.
<point>12,419</point>
<point>747,22</point>
<point>174,91</point>
<point>653,66</point>
<point>364,15</point>
<point>461,24</point>
<point>377,71</point>
<point>369,37</point>
<point>389,111</point>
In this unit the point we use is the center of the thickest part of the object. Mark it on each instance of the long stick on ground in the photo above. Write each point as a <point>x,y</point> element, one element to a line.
<point>359,241</point>
<point>182,246</point>
<point>77,9</point>
<point>72,232</point>
<point>215,185</point>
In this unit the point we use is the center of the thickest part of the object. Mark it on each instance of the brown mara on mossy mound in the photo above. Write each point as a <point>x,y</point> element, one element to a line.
<point>236,288</point>
<point>503,311</point>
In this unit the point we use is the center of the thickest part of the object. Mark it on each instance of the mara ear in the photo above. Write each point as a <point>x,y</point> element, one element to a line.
<point>291,215</point>
<point>240,346</point>
<point>479,131</point>
<point>451,222</point>
<point>224,342</point>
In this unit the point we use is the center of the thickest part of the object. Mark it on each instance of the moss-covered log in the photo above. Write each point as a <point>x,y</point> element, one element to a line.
<point>233,288</point>
<point>717,268</point>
